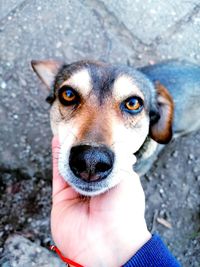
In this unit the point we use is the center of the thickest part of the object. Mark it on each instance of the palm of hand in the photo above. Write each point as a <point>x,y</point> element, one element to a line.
<point>104,230</point>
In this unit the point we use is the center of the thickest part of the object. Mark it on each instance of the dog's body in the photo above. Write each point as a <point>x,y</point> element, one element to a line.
<point>107,116</point>
<point>182,80</point>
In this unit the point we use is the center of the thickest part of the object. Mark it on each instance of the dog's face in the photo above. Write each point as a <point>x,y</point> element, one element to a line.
<point>102,115</point>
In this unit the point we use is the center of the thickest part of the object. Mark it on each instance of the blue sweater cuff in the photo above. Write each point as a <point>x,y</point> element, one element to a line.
<point>153,254</point>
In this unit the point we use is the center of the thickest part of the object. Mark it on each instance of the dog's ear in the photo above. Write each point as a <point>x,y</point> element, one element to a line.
<point>46,70</point>
<point>161,116</point>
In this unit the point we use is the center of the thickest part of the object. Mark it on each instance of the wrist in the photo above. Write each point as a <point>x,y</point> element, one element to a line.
<point>136,245</point>
<point>126,254</point>
<point>144,239</point>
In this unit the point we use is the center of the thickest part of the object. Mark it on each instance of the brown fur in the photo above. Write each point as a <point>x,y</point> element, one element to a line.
<point>161,131</point>
<point>94,124</point>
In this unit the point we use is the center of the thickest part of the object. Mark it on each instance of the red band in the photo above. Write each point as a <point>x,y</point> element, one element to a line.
<point>54,248</point>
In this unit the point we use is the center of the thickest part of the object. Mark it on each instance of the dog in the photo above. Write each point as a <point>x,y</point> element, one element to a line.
<point>112,118</point>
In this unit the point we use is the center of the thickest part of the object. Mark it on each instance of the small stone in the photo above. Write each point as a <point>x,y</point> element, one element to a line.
<point>161,191</point>
<point>163,205</point>
<point>58,44</point>
<point>13,95</point>
<point>152,11</point>
<point>6,227</point>
<point>175,154</point>
<point>196,169</point>
<point>166,165</point>
<point>15,116</point>
<point>162,213</point>
<point>191,156</point>
<point>47,240</point>
<point>139,56</point>
<point>29,220</point>
<point>195,242</point>
<point>162,176</point>
<point>148,178</point>
<point>38,250</point>
<point>151,62</point>
<point>3,85</point>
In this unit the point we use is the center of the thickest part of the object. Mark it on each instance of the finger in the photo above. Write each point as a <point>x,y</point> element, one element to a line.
<point>58,182</point>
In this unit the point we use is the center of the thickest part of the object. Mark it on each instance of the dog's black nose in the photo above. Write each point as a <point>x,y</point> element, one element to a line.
<point>91,163</point>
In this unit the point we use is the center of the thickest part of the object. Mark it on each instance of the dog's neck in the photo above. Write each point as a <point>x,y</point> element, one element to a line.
<point>146,149</point>
<point>146,155</point>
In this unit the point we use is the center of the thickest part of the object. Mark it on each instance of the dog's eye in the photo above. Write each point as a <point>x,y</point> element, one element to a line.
<point>68,96</point>
<point>133,105</point>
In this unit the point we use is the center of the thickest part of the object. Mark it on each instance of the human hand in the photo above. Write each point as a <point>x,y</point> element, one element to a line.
<point>104,230</point>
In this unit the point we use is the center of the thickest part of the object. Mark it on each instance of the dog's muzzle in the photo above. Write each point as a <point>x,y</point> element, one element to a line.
<point>91,163</point>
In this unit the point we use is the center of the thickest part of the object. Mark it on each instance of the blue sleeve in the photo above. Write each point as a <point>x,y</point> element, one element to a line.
<point>153,254</point>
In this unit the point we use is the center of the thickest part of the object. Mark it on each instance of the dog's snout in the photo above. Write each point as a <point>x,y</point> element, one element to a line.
<point>91,163</point>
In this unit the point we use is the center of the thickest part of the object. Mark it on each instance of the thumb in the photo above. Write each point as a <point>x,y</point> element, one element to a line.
<point>58,182</point>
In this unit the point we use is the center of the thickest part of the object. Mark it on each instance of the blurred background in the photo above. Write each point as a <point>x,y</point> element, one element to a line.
<point>128,32</point>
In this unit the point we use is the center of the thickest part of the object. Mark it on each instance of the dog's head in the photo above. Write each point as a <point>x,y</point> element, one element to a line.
<point>102,115</point>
